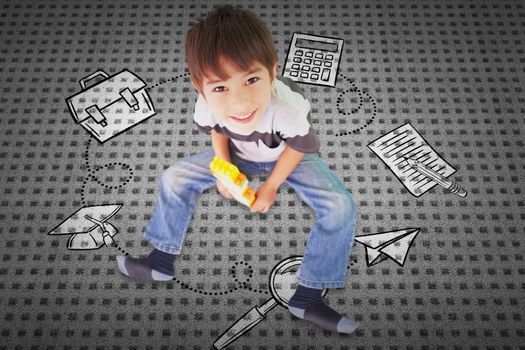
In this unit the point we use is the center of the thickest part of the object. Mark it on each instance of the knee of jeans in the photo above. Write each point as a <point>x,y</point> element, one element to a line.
<point>173,177</point>
<point>342,211</point>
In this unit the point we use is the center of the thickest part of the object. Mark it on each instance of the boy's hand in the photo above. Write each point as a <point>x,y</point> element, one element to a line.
<point>223,190</point>
<point>264,198</point>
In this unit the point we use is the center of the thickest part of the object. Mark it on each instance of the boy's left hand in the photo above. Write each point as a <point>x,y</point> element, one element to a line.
<point>264,198</point>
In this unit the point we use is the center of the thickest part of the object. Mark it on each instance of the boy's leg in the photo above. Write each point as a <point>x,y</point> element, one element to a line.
<point>180,186</point>
<point>328,249</point>
<point>331,238</point>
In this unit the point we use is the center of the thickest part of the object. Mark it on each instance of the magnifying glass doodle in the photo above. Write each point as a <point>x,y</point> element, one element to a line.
<point>282,283</point>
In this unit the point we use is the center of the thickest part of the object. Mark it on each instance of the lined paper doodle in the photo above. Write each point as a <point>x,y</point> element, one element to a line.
<point>405,143</point>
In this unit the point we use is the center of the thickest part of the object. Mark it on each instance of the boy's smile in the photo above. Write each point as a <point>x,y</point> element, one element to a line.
<point>241,101</point>
<point>244,119</point>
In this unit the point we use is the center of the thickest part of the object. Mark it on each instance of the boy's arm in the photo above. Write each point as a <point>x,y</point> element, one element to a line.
<point>221,149</point>
<point>220,145</point>
<point>285,165</point>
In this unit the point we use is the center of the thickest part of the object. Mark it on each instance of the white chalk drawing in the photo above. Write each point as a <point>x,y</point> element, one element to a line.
<point>404,146</point>
<point>384,245</point>
<point>424,172</point>
<point>363,116</point>
<point>89,227</point>
<point>283,283</point>
<point>112,105</point>
<point>313,59</point>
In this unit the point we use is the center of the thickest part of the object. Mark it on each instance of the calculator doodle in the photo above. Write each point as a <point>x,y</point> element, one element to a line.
<point>313,59</point>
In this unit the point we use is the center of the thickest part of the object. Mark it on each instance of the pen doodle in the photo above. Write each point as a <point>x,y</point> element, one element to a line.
<point>423,171</point>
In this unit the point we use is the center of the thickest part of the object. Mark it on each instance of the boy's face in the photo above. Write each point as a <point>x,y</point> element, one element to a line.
<point>241,101</point>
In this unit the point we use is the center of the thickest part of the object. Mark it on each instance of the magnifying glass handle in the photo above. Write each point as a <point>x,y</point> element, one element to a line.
<point>245,323</point>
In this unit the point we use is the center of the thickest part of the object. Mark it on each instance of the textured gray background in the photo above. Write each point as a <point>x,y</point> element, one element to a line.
<point>453,69</point>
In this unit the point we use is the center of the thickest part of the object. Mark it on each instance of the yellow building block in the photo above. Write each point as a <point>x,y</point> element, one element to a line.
<point>235,181</point>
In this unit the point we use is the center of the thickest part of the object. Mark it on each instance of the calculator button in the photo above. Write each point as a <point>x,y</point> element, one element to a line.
<point>297,59</point>
<point>306,68</point>
<point>317,62</point>
<point>294,73</point>
<point>299,52</point>
<point>295,66</point>
<point>309,54</point>
<point>307,61</point>
<point>326,74</point>
<point>327,64</point>
<point>316,69</point>
<point>304,75</point>
<point>329,57</point>
<point>318,55</point>
<point>314,76</point>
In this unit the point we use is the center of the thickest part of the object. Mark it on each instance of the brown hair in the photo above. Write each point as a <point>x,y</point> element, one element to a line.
<point>236,35</point>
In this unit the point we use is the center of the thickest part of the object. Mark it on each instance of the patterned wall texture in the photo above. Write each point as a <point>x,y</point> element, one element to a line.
<point>453,71</point>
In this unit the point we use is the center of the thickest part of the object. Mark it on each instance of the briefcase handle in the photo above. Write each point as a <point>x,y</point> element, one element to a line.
<point>91,76</point>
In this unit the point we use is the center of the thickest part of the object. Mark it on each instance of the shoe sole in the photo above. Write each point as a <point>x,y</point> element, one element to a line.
<point>121,261</point>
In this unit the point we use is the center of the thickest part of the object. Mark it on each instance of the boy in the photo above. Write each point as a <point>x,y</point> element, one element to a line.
<point>261,125</point>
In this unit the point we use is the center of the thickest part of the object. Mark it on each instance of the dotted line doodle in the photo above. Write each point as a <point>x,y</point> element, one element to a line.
<point>340,99</point>
<point>241,284</point>
<point>91,174</point>
<point>121,250</point>
<point>167,80</point>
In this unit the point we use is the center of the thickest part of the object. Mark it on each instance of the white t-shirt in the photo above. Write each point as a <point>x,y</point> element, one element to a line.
<point>285,122</point>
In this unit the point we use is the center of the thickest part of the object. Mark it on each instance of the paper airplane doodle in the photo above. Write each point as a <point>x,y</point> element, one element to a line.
<point>393,245</point>
<point>89,227</point>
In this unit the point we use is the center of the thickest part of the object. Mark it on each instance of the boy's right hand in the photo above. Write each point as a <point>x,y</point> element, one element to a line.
<point>223,190</point>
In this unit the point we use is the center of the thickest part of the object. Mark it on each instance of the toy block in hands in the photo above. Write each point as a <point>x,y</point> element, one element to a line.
<point>235,181</point>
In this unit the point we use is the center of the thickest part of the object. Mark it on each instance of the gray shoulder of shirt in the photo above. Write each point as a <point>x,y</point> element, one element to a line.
<point>290,92</point>
<point>293,108</point>
<point>291,84</point>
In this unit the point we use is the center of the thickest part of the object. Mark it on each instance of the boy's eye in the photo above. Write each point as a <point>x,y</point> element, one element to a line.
<point>222,87</point>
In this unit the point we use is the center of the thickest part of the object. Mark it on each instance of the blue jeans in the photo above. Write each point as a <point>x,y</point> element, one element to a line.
<point>327,254</point>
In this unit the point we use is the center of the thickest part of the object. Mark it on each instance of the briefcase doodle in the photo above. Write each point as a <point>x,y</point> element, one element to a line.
<point>112,105</point>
